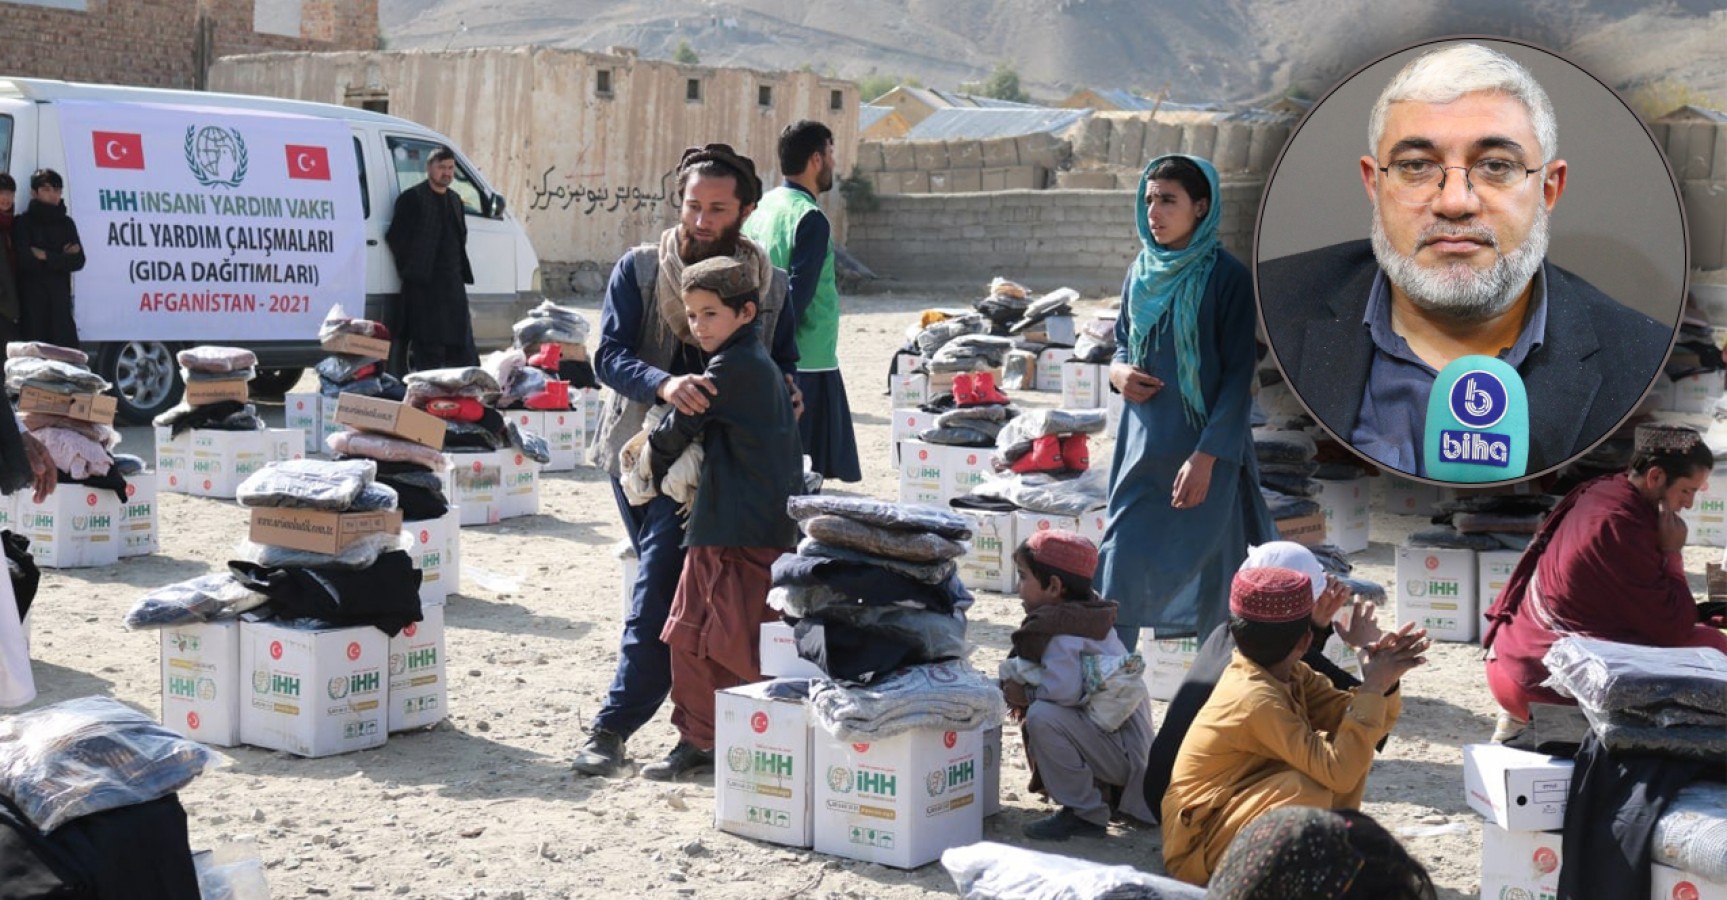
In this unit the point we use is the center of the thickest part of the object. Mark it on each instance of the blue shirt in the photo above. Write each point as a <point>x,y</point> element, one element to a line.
<point>1394,404</point>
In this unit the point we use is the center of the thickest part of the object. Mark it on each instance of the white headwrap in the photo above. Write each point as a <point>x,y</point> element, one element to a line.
<point>1287,555</point>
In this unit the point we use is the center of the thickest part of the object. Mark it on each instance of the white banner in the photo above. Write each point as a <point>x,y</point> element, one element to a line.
<point>205,224</point>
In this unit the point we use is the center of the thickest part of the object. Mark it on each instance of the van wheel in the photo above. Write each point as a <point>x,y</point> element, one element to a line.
<point>145,376</point>
<point>275,382</point>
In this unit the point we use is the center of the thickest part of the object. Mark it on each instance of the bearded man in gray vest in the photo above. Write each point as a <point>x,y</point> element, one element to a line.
<point>646,356</point>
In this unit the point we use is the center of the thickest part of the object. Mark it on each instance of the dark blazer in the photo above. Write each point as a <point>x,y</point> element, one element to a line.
<point>1596,361</point>
<point>413,232</point>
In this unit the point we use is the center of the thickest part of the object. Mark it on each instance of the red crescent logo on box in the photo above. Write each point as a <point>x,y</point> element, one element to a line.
<point>90,499</point>
<point>206,484</point>
<point>971,459</point>
<point>476,465</point>
<point>275,649</point>
<point>425,536</point>
<point>353,650</point>
<point>192,721</point>
<point>860,748</point>
<point>1042,524</point>
<point>759,722</point>
<point>1546,861</point>
<point>409,631</point>
<point>560,420</point>
<point>1685,890</point>
<point>518,459</point>
<point>173,480</point>
<point>923,454</point>
<point>948,739</point>
<point>131,491</point>
<point>299,404</point>
<point>1432,563</point>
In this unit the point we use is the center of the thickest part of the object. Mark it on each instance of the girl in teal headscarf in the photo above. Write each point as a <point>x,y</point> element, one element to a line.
<point>1184,500</point>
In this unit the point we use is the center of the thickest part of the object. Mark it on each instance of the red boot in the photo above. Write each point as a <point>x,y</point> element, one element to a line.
<point>1045,456</point>
<point>984,390</point>
<point>1076,452</point>
<point>964,394</point>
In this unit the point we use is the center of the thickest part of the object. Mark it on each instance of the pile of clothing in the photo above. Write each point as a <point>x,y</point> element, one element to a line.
<point>873,587</point>
<point>1667,701</point>
<point>1286,471</point>
<point>214,364</point>
<point>1695,350</point>
<point>1486,522</point>
<point>1095,342</point>
<point>466,398</point>
<point>371,581</point>
<point>88,803</point>
<point>1336,563</point>
<point>1691,835</point>
<point>555,340</point>
<point>1048,441</point>
<point>971,415</point>
<point>82,451</point>
<point>355,373</point>
<point>411,470</point>
<point>991,871</point>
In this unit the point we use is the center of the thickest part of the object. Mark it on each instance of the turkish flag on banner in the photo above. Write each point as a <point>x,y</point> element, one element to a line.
<point>117,149</point>
<point>308,162</point>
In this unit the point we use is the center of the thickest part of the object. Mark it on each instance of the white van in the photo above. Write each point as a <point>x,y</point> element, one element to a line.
<point>389,157</point>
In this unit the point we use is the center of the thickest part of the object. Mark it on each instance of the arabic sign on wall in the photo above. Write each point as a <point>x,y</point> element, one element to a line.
<point>209,225</point>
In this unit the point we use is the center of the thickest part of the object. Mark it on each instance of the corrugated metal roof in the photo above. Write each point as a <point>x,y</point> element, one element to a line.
<point>869,115</point>
<point>976,124</point>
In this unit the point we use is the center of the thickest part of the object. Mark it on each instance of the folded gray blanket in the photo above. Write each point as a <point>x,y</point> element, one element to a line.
<point>51,374</point>
<point>950,696</point>
<point>912,546</point>
<point>898,516</point>
<point>928,573</point>
<point>308,484</point>
<point>217,359</point>
<point>1691,835</point>
<point>1037,423</point>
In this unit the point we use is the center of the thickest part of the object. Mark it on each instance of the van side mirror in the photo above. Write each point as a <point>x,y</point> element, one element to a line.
<point>497,206</point>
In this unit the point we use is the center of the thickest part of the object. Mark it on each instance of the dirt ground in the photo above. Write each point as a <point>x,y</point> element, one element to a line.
<point>485,804</point>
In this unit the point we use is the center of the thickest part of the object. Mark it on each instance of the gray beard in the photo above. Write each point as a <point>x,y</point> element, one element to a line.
<point>1458,291</point>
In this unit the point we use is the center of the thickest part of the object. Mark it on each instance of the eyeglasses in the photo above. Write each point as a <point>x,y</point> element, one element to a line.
<point>1418,181</point>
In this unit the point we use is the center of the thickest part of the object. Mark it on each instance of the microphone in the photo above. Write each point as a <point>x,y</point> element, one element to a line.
<point>1477,423</point>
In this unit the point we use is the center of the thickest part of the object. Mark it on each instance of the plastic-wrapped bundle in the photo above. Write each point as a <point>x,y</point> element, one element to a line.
<point>935,635</point>
<point>337,322</point>
<point>467,381</point>
<point>1017,371</point>
<point>1272,446</point>
<point>1499,523</point>
<point>991,871</point>
<point>896,516</point>
<point>374,498</point>
<point>52,375</point>
<point>343,368</point>
<point>928,573</point>
<point>1039,422</point>
<point>42,350</point>
<point>800,600</point>
<point>982,437</point>
<point>1604,675</point>
<point>224,415</point>
<point>366,445</point>
<point>528,443</point>
<point>202,599</point>
<point>1058,302</point>
<point>92,754</point>
<point>1704,742</point>
<point>1297,469</point>
<point>1284,506</point>
<point>503,366</point>
<point>126,465</point>
<point>912,546</point>
<point>1041,492</point>
<point>473,434</point>
<point>940,333</point>
<point>227,873</point>
<point>189,376</point>
<point>1691,835</point>
<point>383,386</point>
<point>551,322</point>
<point>1501,504</point>
<point>1290,485</point>
<point>976,350</point>
<point>308,484</point>
<point>359,555</point>
<point>216,359</point>
<point>947,695</point>
<point>1452,539</point>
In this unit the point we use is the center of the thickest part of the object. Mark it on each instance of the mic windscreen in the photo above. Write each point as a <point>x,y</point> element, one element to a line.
<point>1477,423</point>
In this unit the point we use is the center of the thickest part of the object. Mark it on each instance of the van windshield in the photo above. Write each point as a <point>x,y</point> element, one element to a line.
<point>409,156</point>
<point>5,143</point>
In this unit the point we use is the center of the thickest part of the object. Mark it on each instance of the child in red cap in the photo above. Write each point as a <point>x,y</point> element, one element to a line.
<point>1054,685</point>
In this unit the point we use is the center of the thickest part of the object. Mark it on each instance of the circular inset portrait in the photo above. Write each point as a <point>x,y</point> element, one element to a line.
<point>1471,261</point>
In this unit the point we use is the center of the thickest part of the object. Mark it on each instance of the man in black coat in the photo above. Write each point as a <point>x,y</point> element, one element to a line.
<point>46,245</point>
<point>1464,176</point>
<point>428,237</point>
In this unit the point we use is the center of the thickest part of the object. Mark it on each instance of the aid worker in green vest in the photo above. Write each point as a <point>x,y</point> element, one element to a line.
<point>793,229</point>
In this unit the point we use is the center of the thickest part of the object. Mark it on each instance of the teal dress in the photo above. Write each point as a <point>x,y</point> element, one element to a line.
<point>1170,569</point>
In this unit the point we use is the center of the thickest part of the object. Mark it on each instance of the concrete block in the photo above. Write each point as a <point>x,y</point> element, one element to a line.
<point>1085,181</point>
<point>1706,215</point>
<point>1263,147</point>
<point>1042,149</point>
<point>1234,141</point>
<point>1199,140</point>
<point>931,155</point>
<point>1000,152</point>
<point>964,155</point>
<point>1014,178</point>
<point>1718,161</point>
<point>961,181</point>
<point>1161,139</point>
<point>898,156</point>
<point>1127,143</point>
<point>870,157</point>
<point>1701,138</point>
<point>914,183</point>
<point>1093,141</point>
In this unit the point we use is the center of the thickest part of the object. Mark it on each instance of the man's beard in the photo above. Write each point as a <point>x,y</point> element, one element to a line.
<point>1457,290</point>
<point>824,180</point>
<point>692,251</point>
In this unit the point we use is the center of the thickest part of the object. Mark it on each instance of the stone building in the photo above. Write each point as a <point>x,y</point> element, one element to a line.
<point>169,43</point>
<point>582,145</point>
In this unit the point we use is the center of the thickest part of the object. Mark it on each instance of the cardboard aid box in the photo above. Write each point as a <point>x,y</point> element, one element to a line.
<point>1707,517</point>
<point>908,390</point>
<point>989,786</point>
<point>1083,384</point>
<point>431,555</point>
<point>1345,506</point>
<point>921,473</point>
<point>314,693</point>
<point>1049,364</point>
<point>1696,393</point>
<point>1166,662</point>
<point>1668,883</point>
<point>562,430</point>
<point>477,486</point>
<point>1515,789</point>
<point>97,408</point>
<point>204,393</point>
<point>592,404</point>
<point>779,654</point>
<point>419,694</point>
<point>521,485</point>
<point>901,801</point>
<point>218,461</point>
<point>392,418</point>
<point>76,527</point>
<point>1492,570</point>
<point>1404,497</point>
<point>358,345</point>
<point>305,412</point>
<point>139,533</point>
<point>988,562</point>
<point>907,425</point>
<point>762,766</point>
<point>1519,864</point>
<point>286,444</point>
<point>965,468</point>
<point>1436,590</point>
<point>319,531</point>
<point>201,681</point>
<point>1308,531</point>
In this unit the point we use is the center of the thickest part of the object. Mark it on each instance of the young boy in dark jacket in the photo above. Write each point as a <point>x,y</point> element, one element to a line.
<point>45,242</point>
<point>752,463</point>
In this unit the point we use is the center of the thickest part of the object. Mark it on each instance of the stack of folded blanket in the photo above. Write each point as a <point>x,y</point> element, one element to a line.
<point>214,364</point>
<point>1486,522</point>
<point>466,399</point>
<point>355,373</point>
<point>874,586</point>
<point>1048,441</point>
<point>410,469</point>
<point>82,451</point>
<point>1669,701</point>
<point>554,339</point>
<point>1286,470</point>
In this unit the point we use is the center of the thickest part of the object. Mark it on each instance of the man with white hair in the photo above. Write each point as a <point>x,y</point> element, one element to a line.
<point>1463,173</point>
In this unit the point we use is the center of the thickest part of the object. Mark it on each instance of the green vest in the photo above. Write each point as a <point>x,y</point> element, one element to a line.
<point>774,225</point>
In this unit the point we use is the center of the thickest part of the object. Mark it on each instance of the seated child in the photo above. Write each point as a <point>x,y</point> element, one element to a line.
<point>1275,733</point>
<point>738,526</point>
<point>1070,753</point>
